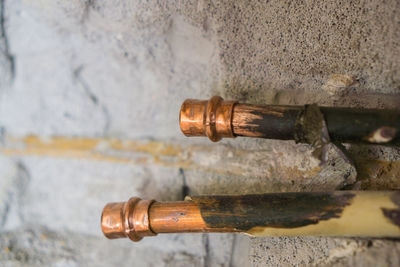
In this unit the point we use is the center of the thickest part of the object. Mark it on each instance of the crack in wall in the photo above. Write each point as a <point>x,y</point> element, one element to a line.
<point>4,216</point>
<point>185,187</point>
<point>21,183</point>
<point>4,43</point>
<point>77,75</point>
<point>207,252</point>
<point>15,196</point>
<point>233,247</point>
<point>86,10</point>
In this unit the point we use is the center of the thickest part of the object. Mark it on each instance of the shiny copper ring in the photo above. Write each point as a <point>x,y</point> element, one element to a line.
<point>127,219</point>
<point>211,114</point>
<point>212,118</point>
<point>141,220</point>
<point>127,214</point>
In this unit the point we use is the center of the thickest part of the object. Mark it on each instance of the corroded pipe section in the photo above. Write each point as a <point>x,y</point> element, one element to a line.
<point>218,119</point>
<point>341,213</point>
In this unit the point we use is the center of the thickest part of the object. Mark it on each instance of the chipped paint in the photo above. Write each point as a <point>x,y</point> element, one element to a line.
<point>363,217</point>
<point>275,122</point>
<point>382,135</point>
<point>393,215</point>
<point>279,210</point>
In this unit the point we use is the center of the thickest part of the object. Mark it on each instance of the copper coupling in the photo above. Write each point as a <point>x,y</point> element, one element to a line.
<point>211,118</point>
<point>127,219</point>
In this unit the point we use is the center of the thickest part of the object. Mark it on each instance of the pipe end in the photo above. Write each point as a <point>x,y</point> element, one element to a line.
<point>212,118</point>
<point>127,219</point>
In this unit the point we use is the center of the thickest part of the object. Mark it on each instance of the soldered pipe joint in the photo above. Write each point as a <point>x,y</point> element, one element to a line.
<point>127,219</point>
<point>211,118</point>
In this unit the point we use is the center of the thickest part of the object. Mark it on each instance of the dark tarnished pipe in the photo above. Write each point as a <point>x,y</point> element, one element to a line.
<point>219,119</point>
<point>341,213</point>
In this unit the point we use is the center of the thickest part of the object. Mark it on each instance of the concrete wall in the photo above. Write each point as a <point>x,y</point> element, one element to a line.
<point>89,98</point>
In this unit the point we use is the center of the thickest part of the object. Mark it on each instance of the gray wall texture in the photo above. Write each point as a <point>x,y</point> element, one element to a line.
<point>90,92</point>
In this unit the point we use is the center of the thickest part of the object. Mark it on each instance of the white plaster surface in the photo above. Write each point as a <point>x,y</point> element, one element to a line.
<point>121,69</point>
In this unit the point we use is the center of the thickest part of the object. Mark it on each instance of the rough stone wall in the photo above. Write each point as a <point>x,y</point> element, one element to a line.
<point>89,98</point>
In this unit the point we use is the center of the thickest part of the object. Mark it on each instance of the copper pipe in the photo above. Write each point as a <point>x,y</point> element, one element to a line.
<point>341,213</point>
<point>219,119</point>
<point>210,118</point>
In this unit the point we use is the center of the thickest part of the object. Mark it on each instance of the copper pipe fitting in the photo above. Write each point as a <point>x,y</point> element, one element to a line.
<point>127,219</point>
<point>340,213</point>
<point>212,118</point>
<point>311,124</point>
